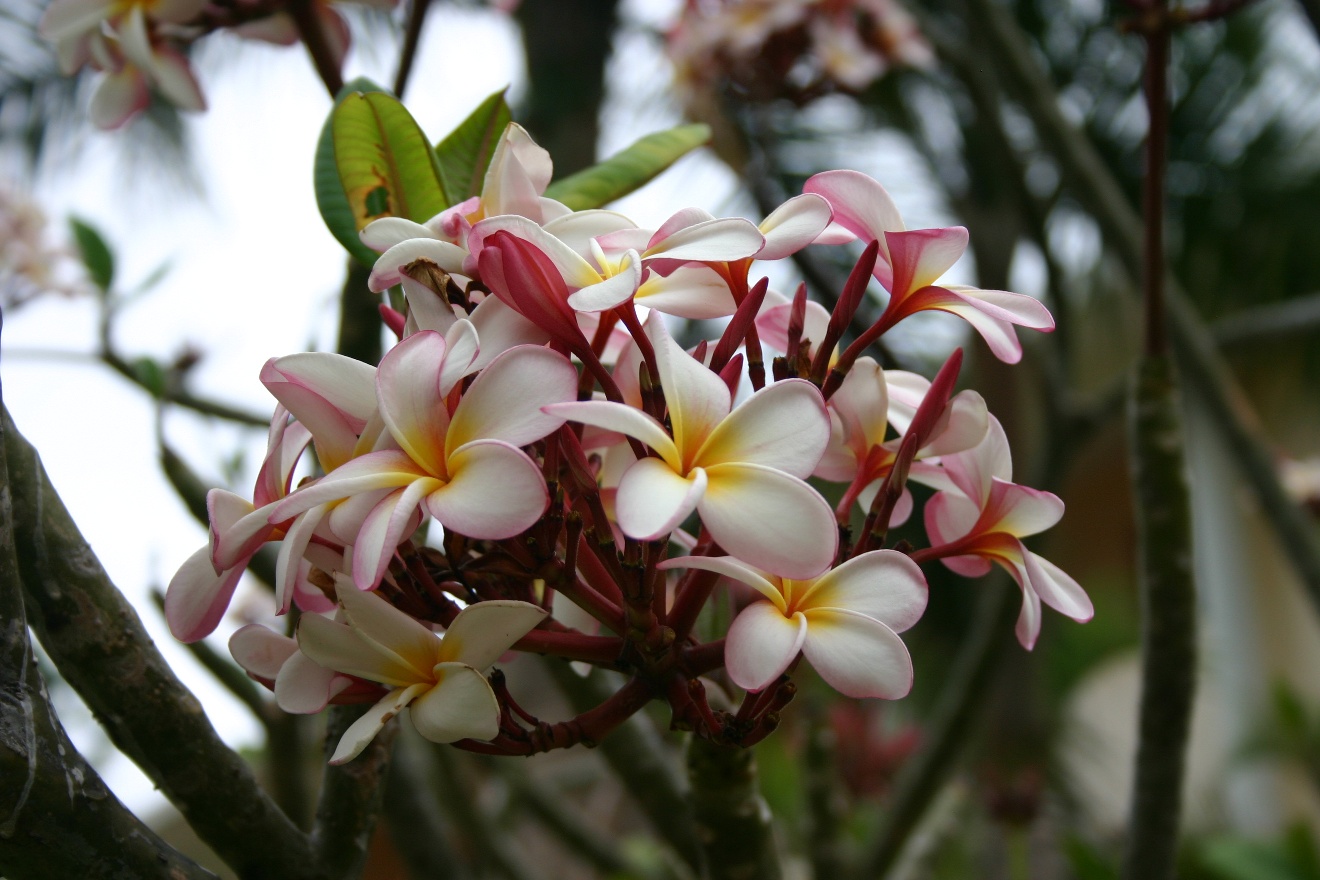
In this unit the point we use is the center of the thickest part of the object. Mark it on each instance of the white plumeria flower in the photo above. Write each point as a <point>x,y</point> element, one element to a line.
<point>845,621</point>
<point>740,469</point>
<point>441,679</point>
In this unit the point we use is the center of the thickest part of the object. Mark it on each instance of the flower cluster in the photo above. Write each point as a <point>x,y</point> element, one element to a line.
<point>140,46</point>
<point>794,49</point>
<point>596,484</point>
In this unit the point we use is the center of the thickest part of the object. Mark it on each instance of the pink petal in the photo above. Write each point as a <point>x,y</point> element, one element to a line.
<point>1020,510</point>
<point>856,655</point>
<point>653,500</point>
<point>260,650</point>
<point>756,512</point>
<point>462,348</point>
<point>921,256</point>
<point>950,516</point>
<point>483,632</point>
<point>1015,308</point>
<point>737,570</point>
<point>761,644</point>
<point>197,597</point>
<point>1057,590</point>
<point>783,426</point>
<point>506,401</point>
<point>408,388</point>
<point>361,732</point>
<point>237,529</point>
<point>494,492</point>
<point>698,400</point>
<point>460,706</point>
<point>862,404</point>
<point>794,225</point>
<point>383,529</point>
<point>622,419</point>
<point>883,584</point>
<point>303,688</point>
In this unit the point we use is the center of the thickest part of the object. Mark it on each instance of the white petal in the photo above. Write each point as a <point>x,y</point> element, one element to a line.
<point>623,419</point>
<point>783,426</point>
<point>361,732</point>
<point>760,513</point>
<point>484,631</point>
<point>761,644</point>
<point>505,402</point>
<point>342,648</point>
<point>857,656</point>
<point>794,225</point>
<point>260,650</point>
<point>1057,590</point>
<point>460,706</point>
<point>305,688</point>
<point>653,500</point>
<point>494,492</point>
<point>761,581</point>
<point>884,585</point>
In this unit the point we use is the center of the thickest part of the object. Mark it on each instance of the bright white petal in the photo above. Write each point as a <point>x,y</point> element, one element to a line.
<point>884,585</point>
<point>1057,590</point>
<point>794,225</point>
<point>856,655</point>
<point>783,426</point>
<point>653,500</point>
<point>494,492</point>
<point>408,387</point>
<point>756,512</point>
<point>735,569</point>
<point>760,645</point>
<point>623,419</point>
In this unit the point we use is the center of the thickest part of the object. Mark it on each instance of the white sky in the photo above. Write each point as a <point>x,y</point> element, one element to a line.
<point>254,274</point>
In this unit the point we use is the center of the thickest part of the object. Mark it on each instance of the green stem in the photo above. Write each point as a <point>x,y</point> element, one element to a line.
<point>733,820</point>
<point>1169,622</point>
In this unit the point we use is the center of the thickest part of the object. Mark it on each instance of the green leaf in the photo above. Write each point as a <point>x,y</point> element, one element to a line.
<point>384,159</point>
<point>330,198</point>
<point>96,255</point>
<point>464,154</point>
<point>628,169</point>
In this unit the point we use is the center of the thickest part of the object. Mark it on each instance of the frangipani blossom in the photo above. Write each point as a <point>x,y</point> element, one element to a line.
<point>440,679</point>
<point>740,469</point>
<point>984,520</point>
<point>461,462</point>
<point>200,591</point>
<point>910,264</point>
<point>871,401</point>
<point>845,621</point>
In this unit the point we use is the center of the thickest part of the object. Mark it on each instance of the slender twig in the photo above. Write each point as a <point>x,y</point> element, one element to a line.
<point>1272,322</point>
<point>181,396</point>
<point>408,54</point>
<point>1206,377</point>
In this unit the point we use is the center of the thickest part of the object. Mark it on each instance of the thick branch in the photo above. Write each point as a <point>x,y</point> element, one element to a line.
<point>351,796</point>
<point>733,820</point>
<point>96,639</point>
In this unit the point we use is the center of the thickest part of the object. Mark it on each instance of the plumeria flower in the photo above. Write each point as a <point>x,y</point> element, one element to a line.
<point>301,686</point>
<point>200,592</point>
<point>984,520</point>
<point>461,462</point>
<point>910,264</point>
<point>441,680</point>
<point>845,621</point>
<point>871,401</point>
<point>740,469</point>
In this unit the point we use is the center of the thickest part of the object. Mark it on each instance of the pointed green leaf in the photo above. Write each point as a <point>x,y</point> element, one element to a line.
<point>628,169</point>
<point>465,152</point>
<point>330,198</point>
<point>385,161</point>
<point>96,254</point>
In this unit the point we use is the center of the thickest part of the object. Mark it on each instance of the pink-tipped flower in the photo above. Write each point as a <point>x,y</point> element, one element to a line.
<point>441,680</point>
<point>740,469</point>
<point>910,264</point>
<point>845,621</point>
<point>984,520</point>
<point>460,461</point>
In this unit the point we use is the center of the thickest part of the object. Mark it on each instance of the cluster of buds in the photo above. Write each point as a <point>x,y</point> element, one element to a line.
<point>596,484</point>
<point>798,50</point>
<point>140,46</point>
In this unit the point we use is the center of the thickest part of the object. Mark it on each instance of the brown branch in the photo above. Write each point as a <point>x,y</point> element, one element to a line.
<point>100,647</point>
<point>351,796</point>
